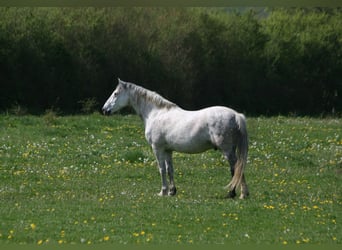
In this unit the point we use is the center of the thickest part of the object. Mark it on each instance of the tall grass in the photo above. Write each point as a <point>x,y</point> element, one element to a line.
<point>93,179</point>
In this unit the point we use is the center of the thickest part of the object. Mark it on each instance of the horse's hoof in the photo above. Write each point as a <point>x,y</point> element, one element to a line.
<point>243,196</point>
<point>162,193</point>
<point>231,194</point>
<point>172,191</point>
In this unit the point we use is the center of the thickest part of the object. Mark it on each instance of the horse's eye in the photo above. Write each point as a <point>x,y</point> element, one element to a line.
<point>115,94</point>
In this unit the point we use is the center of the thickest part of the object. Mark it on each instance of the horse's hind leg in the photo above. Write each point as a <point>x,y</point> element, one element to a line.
<point>244,188</point>
<point>231,157</point>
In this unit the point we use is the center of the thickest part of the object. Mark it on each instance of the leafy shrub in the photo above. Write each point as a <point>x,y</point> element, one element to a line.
<point>287,61</point>
<point>50,117</point>
<point>89,105</point>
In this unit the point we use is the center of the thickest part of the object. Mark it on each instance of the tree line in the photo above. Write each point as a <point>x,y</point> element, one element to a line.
<point>287,61</point>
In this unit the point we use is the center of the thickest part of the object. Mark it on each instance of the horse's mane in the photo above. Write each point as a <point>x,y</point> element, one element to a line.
<point>150,96</point>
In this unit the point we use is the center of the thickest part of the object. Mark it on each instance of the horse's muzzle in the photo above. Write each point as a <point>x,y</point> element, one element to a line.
<point>106,111</point>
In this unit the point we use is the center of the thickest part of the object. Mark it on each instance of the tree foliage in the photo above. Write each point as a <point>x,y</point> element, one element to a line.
<point>286,62</point>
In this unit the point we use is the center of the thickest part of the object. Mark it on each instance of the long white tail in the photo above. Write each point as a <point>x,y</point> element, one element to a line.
<point>242,152</point>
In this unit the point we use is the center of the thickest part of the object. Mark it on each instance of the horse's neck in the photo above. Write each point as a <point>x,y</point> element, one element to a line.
<point>142,107</point>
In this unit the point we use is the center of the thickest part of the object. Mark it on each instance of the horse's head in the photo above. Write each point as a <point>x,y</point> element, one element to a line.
<point>118,99</point>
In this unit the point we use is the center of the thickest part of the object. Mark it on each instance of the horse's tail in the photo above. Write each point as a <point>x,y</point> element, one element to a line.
<point>242,151</point>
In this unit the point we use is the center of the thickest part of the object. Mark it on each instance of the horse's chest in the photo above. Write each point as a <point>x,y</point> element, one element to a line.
<point>148,136</point>
<point>153,135</point>
<point>159,132</point>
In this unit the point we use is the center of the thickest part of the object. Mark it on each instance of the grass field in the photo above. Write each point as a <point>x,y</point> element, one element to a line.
<point>93,179</point>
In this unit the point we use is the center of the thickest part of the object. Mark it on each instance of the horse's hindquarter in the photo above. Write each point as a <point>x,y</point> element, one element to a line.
<point>222,126</point>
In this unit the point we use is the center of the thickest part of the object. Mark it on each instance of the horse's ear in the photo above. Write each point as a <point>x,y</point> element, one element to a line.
<point>122,83</point>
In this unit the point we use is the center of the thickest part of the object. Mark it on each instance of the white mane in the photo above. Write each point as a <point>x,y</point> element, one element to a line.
<point>149,96</point>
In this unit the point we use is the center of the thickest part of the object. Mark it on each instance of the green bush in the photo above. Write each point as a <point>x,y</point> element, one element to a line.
<point>287,61</point>
<point>303,56</point>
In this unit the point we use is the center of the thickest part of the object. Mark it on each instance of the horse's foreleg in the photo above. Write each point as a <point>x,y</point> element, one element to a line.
<point>162,172</point>
<point>169,168</point>
<point>160,155</point>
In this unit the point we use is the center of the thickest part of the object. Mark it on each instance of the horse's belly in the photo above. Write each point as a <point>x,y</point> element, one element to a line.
<point>189,140</point>
<point>189,148</point>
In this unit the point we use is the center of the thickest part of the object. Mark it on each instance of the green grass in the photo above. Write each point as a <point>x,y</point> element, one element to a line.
<point>93,179</point>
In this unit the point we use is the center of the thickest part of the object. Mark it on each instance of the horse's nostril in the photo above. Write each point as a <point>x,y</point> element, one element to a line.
<point>106,111</point>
